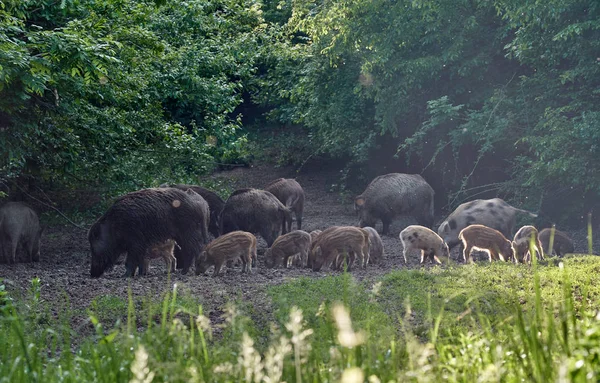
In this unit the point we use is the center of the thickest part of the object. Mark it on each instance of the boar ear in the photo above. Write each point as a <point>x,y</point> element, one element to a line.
<point>359,201</point>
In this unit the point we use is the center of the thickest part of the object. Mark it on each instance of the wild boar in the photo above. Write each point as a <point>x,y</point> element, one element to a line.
<point>162,250</point>
<point>255,211</point>
<point>480,237</point>
<point>522,244</point>
<point>392,195</point>
<point>562,243</point>
<point>494,213</point>
<point>314,234</point>
<point>333,244</point>
<point>289,192</point>
<point>231,246</point>
<point>215,204</point>
<point>432,246</point>
<point>289,245</point>
<point>138,220</point>
<point>375,245</point>
<point>19,224</point>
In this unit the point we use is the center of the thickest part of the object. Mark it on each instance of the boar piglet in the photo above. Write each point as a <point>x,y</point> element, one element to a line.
<point>375,245</point>
<point>286,247</point>
<point>165,251</point>
<point>235,245</point>
<point>562,243</point>
<point>333,244</point>
<point>486,239</point>
<point>432,246</point>
<point>522,244</point>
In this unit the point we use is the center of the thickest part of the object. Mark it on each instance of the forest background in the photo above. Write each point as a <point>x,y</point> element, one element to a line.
<point>484,98</point>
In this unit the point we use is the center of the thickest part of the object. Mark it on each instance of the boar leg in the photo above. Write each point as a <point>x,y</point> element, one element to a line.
<point>12,250</point>
<point>218,266</point>
<point>404,254</point>
<point>243,259</point>
<point>386,225</point>
<point>299,220</point>
<point>423,256</point>
<point>540,250</point>
<point>467,253</point>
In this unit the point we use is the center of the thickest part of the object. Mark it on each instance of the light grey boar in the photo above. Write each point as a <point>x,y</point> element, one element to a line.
<point>375,245</point>
<point>19,224</point>
<point>522,244</point>
<point>164,250</point>
<point>333,243</point>
<point>431,245</point>
<point>255,211</point>
<point>289,192</point>
<point>494,213</point>
<point>287,247</point>
<point>392,195</point>
<point>493,242</point>
<point>562,243</point>
<point>231,246</point>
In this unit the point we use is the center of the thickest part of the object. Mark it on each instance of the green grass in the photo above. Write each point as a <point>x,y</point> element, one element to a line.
<point>483,322</point>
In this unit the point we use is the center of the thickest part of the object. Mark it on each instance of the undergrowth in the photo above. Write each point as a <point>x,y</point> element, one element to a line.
<point>484,322</point>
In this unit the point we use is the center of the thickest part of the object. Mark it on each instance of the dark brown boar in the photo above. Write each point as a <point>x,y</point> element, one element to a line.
<point>333,244</point>
<point>562,243</point>
<point>289,192</point>
<point>215,204</point>
<point>228,247</point>
<point>138,220</point>
<point>522,244</point>
<point>286,247</point>
<point>392,195</point>
<point>165,251</point>
<point>494,213</point>
<point>255,211</point>
<point>19,224</point>
<point>432,246</point>
<point>486,239</point>
<point>375,245</point>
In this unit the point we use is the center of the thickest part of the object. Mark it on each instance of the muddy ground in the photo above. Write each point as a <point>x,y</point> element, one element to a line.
<point>65,261</point>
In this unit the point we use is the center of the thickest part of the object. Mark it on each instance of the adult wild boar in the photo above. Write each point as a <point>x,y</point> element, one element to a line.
<point>494,213</point>
<point>395,194</point>
<point>138,220</point>
<point>289,192</point>
<point>255,211</point>
<point>19,225</point>
<point>215,204</point>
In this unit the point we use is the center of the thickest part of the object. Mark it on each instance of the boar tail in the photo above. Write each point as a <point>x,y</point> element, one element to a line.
<point>533,215</point>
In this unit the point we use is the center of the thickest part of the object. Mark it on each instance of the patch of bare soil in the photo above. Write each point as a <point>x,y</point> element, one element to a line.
<point>65,260</point>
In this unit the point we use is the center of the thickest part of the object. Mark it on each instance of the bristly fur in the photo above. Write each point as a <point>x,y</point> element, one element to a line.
<point>255,211</point>
<point>215,203</point>
<point>19,224</point>
<point>392,195</point>
<point>494,213</point>
<point>562,243</point>
<point>485,239</point>
<point>230,246</point>
<point>140,219</point>
<point>333,242</point>
<point>289,192</point>
<point>288,245</point>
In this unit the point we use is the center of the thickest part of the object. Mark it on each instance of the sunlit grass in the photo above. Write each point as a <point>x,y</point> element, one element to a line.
<point>482,322</point>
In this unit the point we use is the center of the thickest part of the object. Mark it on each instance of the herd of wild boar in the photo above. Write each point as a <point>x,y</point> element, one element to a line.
<point>175,222</point>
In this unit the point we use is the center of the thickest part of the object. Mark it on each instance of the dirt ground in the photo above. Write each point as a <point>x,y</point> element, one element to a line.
<point>65,260</point>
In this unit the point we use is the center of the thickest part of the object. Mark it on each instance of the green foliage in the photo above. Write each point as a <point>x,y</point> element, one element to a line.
<point>482,322</point>
<point>121,93</point>
<point>486,96</point>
